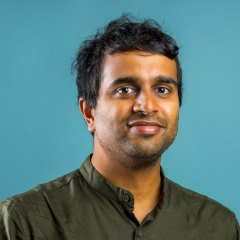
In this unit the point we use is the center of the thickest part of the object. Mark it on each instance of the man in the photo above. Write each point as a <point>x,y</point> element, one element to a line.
<point>130,90</point>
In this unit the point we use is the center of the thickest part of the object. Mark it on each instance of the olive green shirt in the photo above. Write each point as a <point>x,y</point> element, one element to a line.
<point>84,205</point>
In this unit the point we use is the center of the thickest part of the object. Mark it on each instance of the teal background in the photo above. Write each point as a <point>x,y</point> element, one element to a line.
<point>42,134</point>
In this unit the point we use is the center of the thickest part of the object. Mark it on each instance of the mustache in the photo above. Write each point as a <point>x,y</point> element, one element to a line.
<point>142,117</point>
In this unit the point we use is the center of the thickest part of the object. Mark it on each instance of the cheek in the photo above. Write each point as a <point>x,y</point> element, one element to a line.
<point>119,109</point>
<point>170,111</point>
<point>112,113</point>
<point>105,117</point>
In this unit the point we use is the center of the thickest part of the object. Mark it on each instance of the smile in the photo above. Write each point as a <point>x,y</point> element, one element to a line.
<point>145,127</point>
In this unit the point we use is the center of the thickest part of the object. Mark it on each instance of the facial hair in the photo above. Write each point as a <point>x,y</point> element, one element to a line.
<point>133,153</point>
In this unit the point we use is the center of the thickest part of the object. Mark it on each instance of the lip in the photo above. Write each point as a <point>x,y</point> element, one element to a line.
<point>143,123</point>
<point>145,127</point>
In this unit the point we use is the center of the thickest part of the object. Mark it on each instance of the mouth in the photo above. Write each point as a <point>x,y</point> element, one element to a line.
<point>145,127</point>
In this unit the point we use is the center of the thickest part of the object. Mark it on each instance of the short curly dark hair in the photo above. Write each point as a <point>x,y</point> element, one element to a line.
<point>120,35</point>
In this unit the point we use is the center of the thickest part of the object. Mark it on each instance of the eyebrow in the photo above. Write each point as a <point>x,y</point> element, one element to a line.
<point>124,80</point>
<point>163,79</point>
<point>132,80</point>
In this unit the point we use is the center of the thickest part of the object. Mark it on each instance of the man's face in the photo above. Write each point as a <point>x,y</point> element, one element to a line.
<point>136,117</point>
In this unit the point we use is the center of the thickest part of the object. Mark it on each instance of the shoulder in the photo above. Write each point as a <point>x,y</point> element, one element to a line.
<point>40,193</point>
<point>23,213</point>
<point>200,208</point>
<point>192,197</point>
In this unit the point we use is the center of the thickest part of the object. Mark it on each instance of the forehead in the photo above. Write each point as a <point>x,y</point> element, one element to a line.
<point>141,65</point>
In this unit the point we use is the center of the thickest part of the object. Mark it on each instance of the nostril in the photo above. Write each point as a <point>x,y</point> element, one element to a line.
<point>145,102</point>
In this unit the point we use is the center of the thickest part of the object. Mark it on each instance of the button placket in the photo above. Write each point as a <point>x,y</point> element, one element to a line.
<point>125,198</point>
<point>139,233</point>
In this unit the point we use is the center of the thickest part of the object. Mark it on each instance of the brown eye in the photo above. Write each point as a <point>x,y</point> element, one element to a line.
<point>125,90</point>
<point>162,90</point>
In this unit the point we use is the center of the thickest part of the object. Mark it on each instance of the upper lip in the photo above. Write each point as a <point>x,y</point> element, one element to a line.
<point>143,123</point>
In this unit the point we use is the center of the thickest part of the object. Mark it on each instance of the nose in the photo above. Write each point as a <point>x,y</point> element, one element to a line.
<point>146,102</point>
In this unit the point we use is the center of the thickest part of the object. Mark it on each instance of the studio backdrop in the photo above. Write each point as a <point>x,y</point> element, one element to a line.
<point>42,133</point>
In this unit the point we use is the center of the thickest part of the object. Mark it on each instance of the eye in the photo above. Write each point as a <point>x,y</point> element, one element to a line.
<point>125,90</point>
<point>162,90</point>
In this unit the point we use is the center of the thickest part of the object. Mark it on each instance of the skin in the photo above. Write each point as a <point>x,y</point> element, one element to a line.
<point>134,122</point>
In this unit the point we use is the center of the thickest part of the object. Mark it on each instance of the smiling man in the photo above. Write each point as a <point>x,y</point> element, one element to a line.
<point>130,91</point>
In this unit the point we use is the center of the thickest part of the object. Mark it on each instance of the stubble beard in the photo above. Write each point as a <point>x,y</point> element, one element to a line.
<point>136,155</point>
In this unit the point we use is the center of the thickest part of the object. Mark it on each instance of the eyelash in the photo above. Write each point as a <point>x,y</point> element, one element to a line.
<point>121,89</point>
<point>165,89</point>
<point>133,90</point>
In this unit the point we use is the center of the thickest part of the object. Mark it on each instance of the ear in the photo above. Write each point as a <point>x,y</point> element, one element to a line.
<point>88,114</point>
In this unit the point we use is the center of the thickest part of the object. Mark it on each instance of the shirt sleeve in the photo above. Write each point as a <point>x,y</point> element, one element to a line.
<point>10,224</point>
<point>236,231</point>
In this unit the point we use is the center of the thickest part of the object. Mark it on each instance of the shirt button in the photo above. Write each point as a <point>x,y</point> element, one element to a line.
<point>140,233</point>
<point>125,198</point>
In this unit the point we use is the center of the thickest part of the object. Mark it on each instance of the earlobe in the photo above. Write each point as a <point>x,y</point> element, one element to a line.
<point>88,114</point>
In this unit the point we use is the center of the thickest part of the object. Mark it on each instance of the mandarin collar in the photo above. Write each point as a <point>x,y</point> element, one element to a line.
<point>109,190</point>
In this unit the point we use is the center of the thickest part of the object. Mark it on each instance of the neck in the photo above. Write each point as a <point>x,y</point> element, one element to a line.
<point>144,184</point>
